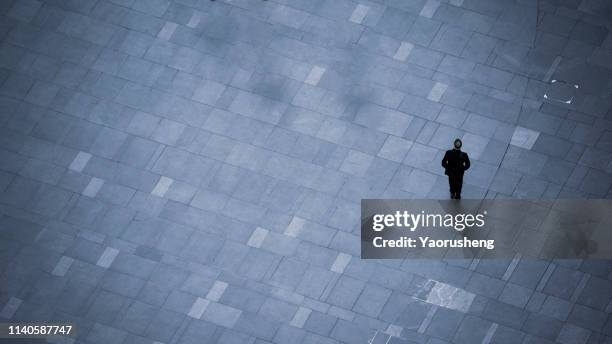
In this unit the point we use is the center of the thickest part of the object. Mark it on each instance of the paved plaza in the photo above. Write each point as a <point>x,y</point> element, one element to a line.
<point>191,171</point>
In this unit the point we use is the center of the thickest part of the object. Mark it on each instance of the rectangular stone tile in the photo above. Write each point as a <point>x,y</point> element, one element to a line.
<point>95,184</point>
<point>420,107</point>
<point>372,300</point>
<point>258,237</point>
<point>221,314</point>
<point>430,8</point>
<point>197,309</point>
<point>300,317</point>
<point>359,14</point>
<point>445,295</point>
<point>10,307</point>
<point>162,186</point>
<point>403,51</point>
<point>216,291</point>
<point>107,257</point>
<point>62,266</point>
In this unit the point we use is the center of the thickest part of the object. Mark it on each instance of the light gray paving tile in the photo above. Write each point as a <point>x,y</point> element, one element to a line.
<point>258,237</point>
<point>10,307</point>
<point>108,257</point>
<point>437,91</point>
<point>300,317</point>
<point>94,186</point>
<point>80,161</point>
<point>162,186</point>
<point>195,19</point>
<point>167,31</point>
<point>359,14</point>
<point>315,75</point>
<point>295,226</point>
<point>395,148</point>
<point>216,291</point>
<point>524,138</point>
<point>221,314</point>
<point>199,306</point>
<point>430,8</point>
<point>403,51</point>
<point>341,262</point>
<point>445,295</point>
<point>62,266</point>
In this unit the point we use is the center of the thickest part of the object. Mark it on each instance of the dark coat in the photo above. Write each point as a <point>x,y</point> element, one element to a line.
<point>455,161</point>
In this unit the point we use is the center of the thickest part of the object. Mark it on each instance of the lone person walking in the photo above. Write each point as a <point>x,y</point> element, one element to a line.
<point>455,162</point>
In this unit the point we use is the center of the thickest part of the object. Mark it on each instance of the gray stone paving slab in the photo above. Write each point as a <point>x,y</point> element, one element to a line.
<point>179,171</point>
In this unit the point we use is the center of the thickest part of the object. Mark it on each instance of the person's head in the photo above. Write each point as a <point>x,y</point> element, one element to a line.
<point>457,144</point>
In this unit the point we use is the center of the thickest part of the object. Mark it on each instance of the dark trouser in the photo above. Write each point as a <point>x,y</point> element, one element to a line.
<point>455,181</point>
